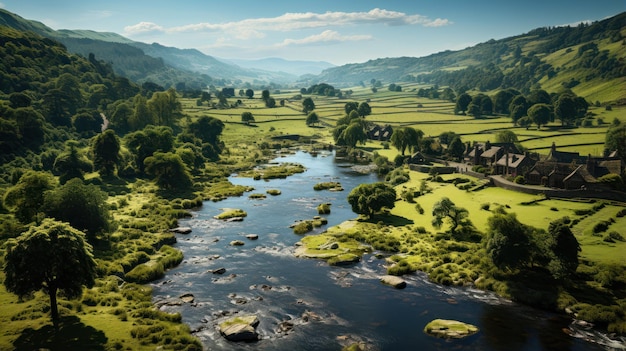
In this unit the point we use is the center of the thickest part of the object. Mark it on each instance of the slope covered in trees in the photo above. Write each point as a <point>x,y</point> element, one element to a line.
<point>588,58</point>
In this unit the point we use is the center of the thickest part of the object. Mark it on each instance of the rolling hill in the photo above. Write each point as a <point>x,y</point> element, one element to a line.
<point>590,59</point>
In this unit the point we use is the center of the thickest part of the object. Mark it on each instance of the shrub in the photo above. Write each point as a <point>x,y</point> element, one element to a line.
<point>408,196</point>
<point>600,205</point>
<point>519,180</point>
<point>274,192</point>
<point>400,268</point>
<point>419,208</point>
<point>601,226</point>
<point>485,206</point>
<point>613,236</point>
<point>323,208</point>
<point>303,227</point>
<point>146,272</point>
<point>327,186</point>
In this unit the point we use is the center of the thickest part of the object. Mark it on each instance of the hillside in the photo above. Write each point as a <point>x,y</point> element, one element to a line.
<point>588,58</point>
<point>140,62</point>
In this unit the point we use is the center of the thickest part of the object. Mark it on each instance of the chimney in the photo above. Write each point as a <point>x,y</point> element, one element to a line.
<point>487,145</point>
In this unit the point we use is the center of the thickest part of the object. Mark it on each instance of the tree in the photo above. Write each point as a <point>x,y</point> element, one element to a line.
<point>508,243</point>
<point>368,199</point>
<point>208,130</point>
<point>502,100</point>
<point>616,140</point>
<point>406,138</point>
<point>249,93</point>
<point>539,96</point>
<point>354,134</point>
<point>165,107</point>
<point>51,257</point>
<point>265,94</point>
<point>565,109</point>
<point>247,117</point>
<point>145,142</point>
<point>270,102</point>
<point>169,170</point>
<point>312,119</point>
<point>141,114</point>
<point>364,109</point>
<point>71,163</point>
<point>83,206</point>
<point>25,198</point>
<point>506,136</point>
<point>518,108</point>
<point>308,105</point>
<point>462,102</point>
<point>540,114</point>
<point>106,151</point>
<point>121,117</point>
<point>445,208</point>
<point>525,122</point>
<point>456,148</point>
<point>350,106</point>
<point>564,249</point>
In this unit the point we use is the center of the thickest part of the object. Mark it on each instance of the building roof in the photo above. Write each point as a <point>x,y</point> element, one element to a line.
<point>515,160</point>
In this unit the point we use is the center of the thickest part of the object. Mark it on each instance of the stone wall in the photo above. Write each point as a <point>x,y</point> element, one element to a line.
<point>560,193</point>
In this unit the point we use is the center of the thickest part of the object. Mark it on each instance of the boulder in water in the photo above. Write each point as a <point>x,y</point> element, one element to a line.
<point>449,329</point>
<point>240,328</point>
<point>394,281</point>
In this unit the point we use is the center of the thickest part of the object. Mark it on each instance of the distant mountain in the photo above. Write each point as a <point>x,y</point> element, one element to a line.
<point>588,58</point>
<point>274,64</point>
<point>194,60</point>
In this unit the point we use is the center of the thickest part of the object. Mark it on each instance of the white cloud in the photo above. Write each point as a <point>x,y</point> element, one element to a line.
<point>327,36</point>
<point>143,27</point>
<point>303,20</point>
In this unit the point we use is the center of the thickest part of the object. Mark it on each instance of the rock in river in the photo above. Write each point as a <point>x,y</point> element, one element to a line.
<point>181,230</point>
<point>394,281</point>
<point>236,243</point>
<point>241,328</point>
<point>252,236</point>
<point>449,329</point>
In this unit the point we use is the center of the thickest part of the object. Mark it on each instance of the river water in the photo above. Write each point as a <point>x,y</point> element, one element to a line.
<point>328,307</point>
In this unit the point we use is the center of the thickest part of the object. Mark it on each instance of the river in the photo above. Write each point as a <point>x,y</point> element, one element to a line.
<point>340,305</point>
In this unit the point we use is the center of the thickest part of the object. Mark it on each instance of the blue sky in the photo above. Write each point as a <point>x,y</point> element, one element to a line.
<point>338,31</point>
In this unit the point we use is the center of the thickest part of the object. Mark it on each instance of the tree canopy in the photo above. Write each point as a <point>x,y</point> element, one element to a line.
<point>25,198</point>
<point>368,199</point>
<point>509,242</point>
<point>83,206</point>
<point>406,138</point>
<point>51,257</point>
<point>312,119</point>
<point>445,208</point>
<point>169,170</point>
<point>106,151</point>
<point>308,105</point>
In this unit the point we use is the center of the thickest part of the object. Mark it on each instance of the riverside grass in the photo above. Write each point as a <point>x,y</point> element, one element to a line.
<point>123,317</point>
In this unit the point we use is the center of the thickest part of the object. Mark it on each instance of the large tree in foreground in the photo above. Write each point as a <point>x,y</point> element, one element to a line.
<point>51,257</point>
<point>368,199</point>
